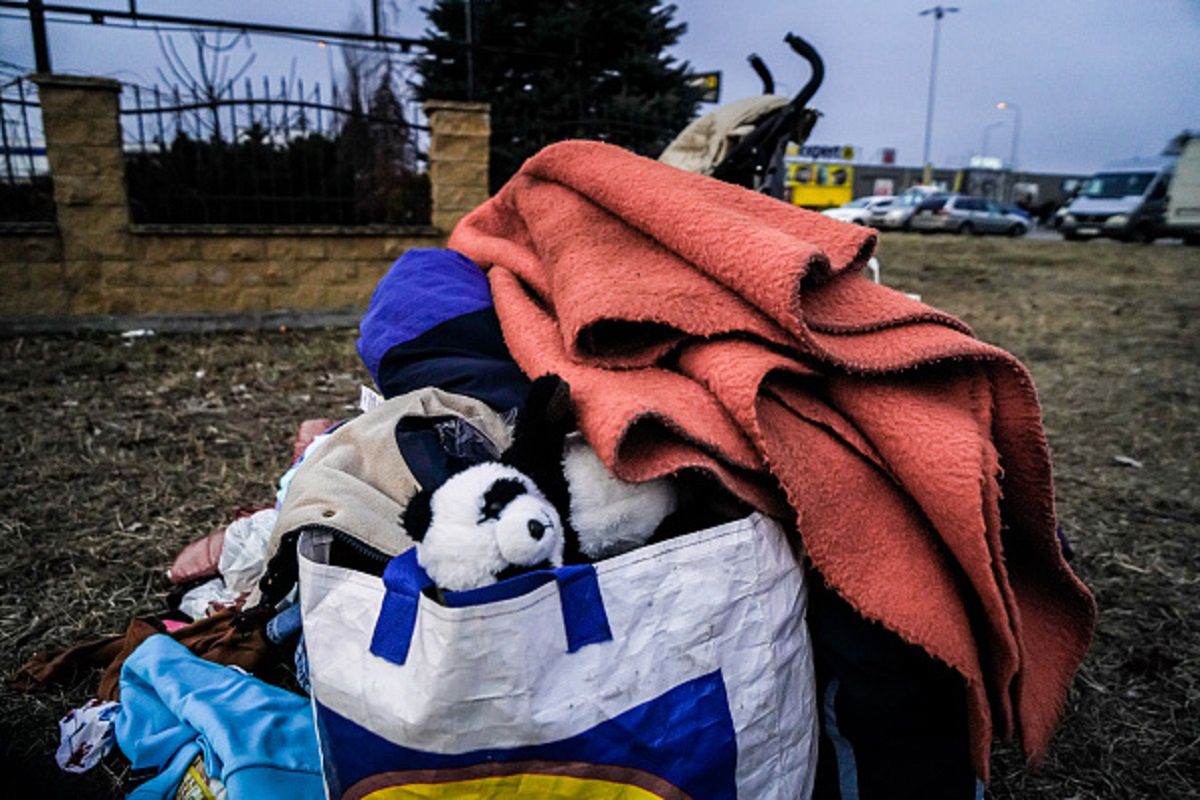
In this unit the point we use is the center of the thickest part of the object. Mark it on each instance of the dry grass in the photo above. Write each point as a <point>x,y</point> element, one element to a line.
<point>117,452</point>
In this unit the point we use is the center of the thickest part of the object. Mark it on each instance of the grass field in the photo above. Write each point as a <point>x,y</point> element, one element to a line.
<point>119,451</point>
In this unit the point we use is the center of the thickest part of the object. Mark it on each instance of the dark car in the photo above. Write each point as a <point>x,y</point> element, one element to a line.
<point>1016,210</point>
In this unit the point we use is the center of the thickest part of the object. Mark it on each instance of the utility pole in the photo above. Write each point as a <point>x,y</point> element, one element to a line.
<point>938,12</point>
<point>41,47</point>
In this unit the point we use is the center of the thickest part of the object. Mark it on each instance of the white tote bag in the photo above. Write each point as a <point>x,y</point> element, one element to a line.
<point>680,669</point>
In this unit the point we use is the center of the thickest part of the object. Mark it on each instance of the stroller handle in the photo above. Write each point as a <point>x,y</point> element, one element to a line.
<point>809,54</point>
<point>764,74</point>
<point>749,162</point>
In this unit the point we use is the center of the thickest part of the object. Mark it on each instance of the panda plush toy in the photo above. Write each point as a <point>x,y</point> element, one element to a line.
<point>484,524</point>
<point>548,500</point>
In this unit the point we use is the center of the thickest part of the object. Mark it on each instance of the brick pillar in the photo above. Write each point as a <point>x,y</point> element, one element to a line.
<point>80,117</point>
<point>458,158</point>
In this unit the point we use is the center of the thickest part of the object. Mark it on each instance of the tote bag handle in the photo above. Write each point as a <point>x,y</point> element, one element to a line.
<point>584,618</point>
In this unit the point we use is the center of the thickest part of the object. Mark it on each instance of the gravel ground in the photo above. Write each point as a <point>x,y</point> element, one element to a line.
<point>121,450</point>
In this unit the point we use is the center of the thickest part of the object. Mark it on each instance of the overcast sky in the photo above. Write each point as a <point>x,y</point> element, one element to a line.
<point>1094,81</point>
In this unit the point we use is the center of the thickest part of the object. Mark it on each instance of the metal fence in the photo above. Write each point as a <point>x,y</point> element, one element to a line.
<point>26,191</point>
<point>516,136</point>
<point>273,155</point>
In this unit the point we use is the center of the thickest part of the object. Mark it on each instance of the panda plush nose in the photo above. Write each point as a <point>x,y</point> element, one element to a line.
<point>536,529</point>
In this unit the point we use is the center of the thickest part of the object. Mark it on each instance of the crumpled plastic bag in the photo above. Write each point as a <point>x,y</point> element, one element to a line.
<point>207,599</point>
<point>244,552</point>
<point>86,735</point>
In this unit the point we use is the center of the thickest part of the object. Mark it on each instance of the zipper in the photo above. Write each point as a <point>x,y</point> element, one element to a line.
<point>353,542</point>
<point>283,570</point>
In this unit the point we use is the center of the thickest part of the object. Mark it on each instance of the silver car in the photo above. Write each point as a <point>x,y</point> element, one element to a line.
<point>961,213</point>
<point>898,215</point>
<point>859,211</point>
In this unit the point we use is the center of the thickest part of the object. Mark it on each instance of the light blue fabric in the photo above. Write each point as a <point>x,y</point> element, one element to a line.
<point>256,738</point>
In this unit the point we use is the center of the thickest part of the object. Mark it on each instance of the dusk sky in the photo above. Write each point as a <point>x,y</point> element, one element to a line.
<point>1094,81</point>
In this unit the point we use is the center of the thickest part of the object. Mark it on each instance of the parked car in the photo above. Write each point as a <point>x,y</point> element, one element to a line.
<point>899,213</point>
<point>1020,215</point>
<point>857,211</point>
<point>1125,200</point>
<point>1017,211</point>
<point>963,213</point>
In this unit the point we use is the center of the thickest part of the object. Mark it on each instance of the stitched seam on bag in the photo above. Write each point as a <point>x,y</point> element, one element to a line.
<point>763,550</point>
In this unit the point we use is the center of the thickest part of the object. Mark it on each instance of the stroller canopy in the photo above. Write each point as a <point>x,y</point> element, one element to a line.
<point>708,140</point>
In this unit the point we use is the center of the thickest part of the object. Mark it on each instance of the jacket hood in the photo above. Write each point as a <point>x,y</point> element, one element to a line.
<point>431,322</point>
<point>359,481</point>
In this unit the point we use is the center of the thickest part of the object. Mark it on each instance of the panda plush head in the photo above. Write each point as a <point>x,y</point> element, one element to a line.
<point>485,523</point>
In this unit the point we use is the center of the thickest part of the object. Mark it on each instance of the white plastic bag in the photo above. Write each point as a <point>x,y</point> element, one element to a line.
<point>244,553</point>
<point>207,599</point>
<point>682,667</point>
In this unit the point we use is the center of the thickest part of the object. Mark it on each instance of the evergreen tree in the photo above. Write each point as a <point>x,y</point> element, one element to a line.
<point>561,69</point>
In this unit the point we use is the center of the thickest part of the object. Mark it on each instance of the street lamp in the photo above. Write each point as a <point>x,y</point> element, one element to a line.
<point>1004,105</point>
<point>938,12</point>
<point>987,129</point>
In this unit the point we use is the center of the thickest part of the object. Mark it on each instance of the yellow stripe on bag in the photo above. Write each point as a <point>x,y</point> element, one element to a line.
<point>545,787</point>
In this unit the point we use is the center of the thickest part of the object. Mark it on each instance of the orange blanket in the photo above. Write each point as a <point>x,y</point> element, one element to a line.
<point>702,325</point>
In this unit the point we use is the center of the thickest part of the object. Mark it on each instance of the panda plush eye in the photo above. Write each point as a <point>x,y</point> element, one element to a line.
<point>498,496</point>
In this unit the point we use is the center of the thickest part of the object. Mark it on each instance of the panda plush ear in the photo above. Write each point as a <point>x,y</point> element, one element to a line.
<point>542,426</point>
<point>417,515</point>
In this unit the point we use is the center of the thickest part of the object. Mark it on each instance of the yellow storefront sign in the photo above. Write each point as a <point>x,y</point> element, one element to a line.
<point>820,185</point>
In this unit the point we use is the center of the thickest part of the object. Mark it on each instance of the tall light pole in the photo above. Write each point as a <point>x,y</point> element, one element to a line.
<point>987,129</point>
<point>1004,105</point>
<point>938,12</point>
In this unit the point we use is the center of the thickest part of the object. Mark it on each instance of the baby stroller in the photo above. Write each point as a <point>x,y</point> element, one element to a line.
<point>743,142</point>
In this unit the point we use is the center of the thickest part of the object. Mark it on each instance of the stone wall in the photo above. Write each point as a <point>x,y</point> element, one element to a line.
<point>95,262</point>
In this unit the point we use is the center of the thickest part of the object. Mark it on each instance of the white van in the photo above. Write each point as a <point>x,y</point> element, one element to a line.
<point>1125,200</point>
<point>1183,201</point>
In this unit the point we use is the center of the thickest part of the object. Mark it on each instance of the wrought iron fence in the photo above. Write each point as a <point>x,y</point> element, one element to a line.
<point>26,191</point>
<point>516,135</point>
<point>282,156</point>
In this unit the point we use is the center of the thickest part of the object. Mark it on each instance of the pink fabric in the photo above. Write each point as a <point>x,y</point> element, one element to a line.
<point>309,429</point>
<point>702,325</point>
<point>199,559</point>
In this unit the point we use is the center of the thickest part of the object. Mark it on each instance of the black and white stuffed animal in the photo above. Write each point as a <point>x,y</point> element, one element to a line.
<point>483,524</point>
<point>548,500</point>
